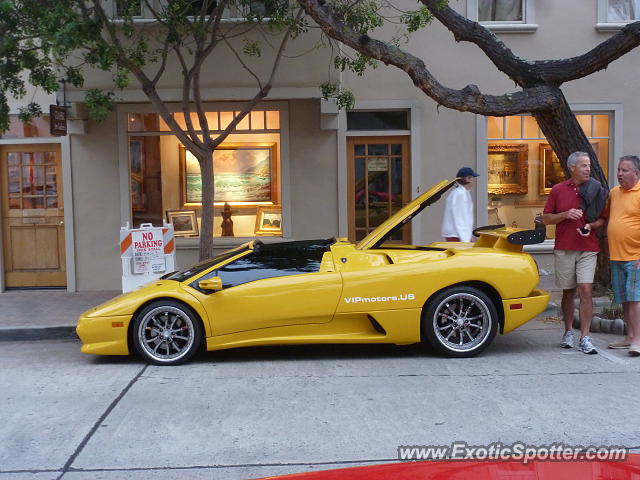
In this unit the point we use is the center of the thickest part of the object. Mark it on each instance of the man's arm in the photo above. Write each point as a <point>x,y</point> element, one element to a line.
<point>555,218</point>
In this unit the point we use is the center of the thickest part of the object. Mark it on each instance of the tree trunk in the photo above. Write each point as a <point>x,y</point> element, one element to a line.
<point>206,231</point>
<point>565,136</point>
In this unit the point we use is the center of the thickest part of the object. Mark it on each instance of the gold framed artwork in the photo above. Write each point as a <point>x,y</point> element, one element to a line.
<point>245,174</point>
<point>551,171</point>
<point>137,195</point>
<point>507,168</point>
<point>185,222</point>
<point>268,221</point>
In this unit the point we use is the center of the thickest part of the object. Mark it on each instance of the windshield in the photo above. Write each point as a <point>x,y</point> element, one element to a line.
<point>205,264</point>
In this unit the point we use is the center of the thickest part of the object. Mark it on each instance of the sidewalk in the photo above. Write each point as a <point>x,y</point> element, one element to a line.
<point>52,314</point>
<point>45,314</point>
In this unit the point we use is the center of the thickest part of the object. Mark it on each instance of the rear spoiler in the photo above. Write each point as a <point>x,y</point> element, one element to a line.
<point>499,236</point>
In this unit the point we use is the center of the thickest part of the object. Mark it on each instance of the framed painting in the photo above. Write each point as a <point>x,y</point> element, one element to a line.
<point>185,222</point>
<point>507,168</point>
<point>243,175</point>
<point>551,171</point>
<point>268,221</point>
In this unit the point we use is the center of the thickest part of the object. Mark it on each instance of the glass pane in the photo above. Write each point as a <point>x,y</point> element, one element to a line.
<point>244,124</point>
<point>225,119</point>
<point>622,10</point>
<point>378,149</point>
<point>601,126</point>
<point>359,149</point>
<point>52,202</point>
<point>133,7</point>
<point>360,234</point>
<point>530,127</point>
<point>38,158</point>
<point>500,10</point>
<point>495,127</point>
<point>396,184</point>
<point>257,120</point>
<point>135,123</point>
<point>14,179</point>
<point>28,179</point>
<point>378,193</point>
<point>49,157</point>
<point>382,120</point>
<point>32,202</point>
<point>585,124</point>
<point>360,194</point>
<point>273,120</point>
<point>396,149</point>
<point>212,120</point>
<point>514,127</point>
<point>52,185</point>
<point>14,203</point>
<point>13,158</point>
<point>27,158</point>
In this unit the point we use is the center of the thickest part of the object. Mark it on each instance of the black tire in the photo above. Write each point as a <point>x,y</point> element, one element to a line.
<point>167,332</point>
<point>460,322</point>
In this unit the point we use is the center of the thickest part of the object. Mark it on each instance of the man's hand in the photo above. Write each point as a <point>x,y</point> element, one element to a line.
<point>584,231</point>
<point>573,214</point>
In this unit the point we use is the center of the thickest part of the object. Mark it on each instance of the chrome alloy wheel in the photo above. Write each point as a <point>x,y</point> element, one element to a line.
<point>462,322</point>
<point>166,334</point>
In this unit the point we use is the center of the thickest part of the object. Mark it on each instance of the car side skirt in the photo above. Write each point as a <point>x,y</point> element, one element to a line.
<point>392,326</point>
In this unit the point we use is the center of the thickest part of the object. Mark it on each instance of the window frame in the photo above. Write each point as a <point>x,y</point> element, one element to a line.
<point>603,25</point>
<point>527,25</point>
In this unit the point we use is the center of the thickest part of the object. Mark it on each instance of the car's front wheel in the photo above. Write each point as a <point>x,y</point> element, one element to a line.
<point>460,321</point>
<point>167,333</point>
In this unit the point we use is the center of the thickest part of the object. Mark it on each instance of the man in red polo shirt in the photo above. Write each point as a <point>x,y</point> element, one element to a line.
<point>575,253</point>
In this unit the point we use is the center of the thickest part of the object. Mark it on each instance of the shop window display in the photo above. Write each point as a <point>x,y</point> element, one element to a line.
<point>522,167</point>
<point>165,177</point>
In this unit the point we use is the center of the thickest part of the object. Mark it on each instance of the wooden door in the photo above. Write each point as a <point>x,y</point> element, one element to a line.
<point>32,216</point>
<point>378,184</point>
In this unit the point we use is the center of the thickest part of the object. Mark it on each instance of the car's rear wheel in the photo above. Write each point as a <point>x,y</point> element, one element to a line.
<point>460,321</point>
<point>167,333</point>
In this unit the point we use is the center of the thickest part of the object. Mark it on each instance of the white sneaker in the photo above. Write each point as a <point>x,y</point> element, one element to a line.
<point>586,346</point>
<point>567,339</point>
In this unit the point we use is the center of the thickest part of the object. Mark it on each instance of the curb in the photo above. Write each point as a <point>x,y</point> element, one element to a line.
<point>38,333</point>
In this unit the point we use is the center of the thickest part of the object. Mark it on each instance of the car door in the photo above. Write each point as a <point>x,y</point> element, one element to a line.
<point>260,291</point>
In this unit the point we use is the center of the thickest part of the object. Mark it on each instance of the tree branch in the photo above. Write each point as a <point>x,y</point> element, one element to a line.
<point>598,58</point>
<point>468,99</point>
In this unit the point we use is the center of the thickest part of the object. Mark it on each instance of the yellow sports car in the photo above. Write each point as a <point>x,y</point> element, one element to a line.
<point>452,296</point>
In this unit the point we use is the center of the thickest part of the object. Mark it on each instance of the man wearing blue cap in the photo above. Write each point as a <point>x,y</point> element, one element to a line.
<point>457,223</point>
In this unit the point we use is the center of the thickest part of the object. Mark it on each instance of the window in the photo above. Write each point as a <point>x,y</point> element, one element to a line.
<point>503,15</point>
<point>378,120</point>
<point>614,14</point>
<point>270,261</point>
<point>164,176</point>
<point>522,168</point>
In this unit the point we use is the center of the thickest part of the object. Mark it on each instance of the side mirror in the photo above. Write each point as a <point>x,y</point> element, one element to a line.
<point>213,283</point>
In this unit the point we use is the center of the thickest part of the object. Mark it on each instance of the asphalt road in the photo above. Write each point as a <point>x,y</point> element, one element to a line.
<point>256,412</point>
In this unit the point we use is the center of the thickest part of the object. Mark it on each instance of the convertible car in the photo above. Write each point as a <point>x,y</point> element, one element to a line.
<point>454,297</point>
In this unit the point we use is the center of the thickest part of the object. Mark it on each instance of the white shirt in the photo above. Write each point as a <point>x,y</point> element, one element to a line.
<point>458,214</point>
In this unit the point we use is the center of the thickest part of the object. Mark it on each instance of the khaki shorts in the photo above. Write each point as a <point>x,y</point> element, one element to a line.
<point>574,267</point>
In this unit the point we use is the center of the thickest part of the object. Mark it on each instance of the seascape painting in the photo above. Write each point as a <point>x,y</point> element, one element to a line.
<point>241,174</point>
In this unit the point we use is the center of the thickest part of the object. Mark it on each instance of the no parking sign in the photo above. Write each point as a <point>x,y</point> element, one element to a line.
<point>148,251</point>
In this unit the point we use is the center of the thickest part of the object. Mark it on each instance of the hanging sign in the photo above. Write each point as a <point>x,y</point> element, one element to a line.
<point>148,251</point>
<point>57,120</point>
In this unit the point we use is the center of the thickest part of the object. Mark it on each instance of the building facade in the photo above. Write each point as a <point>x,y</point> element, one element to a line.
<point>296,167</point>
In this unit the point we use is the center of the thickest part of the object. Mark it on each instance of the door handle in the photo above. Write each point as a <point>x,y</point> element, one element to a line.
<point>61,222</point>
